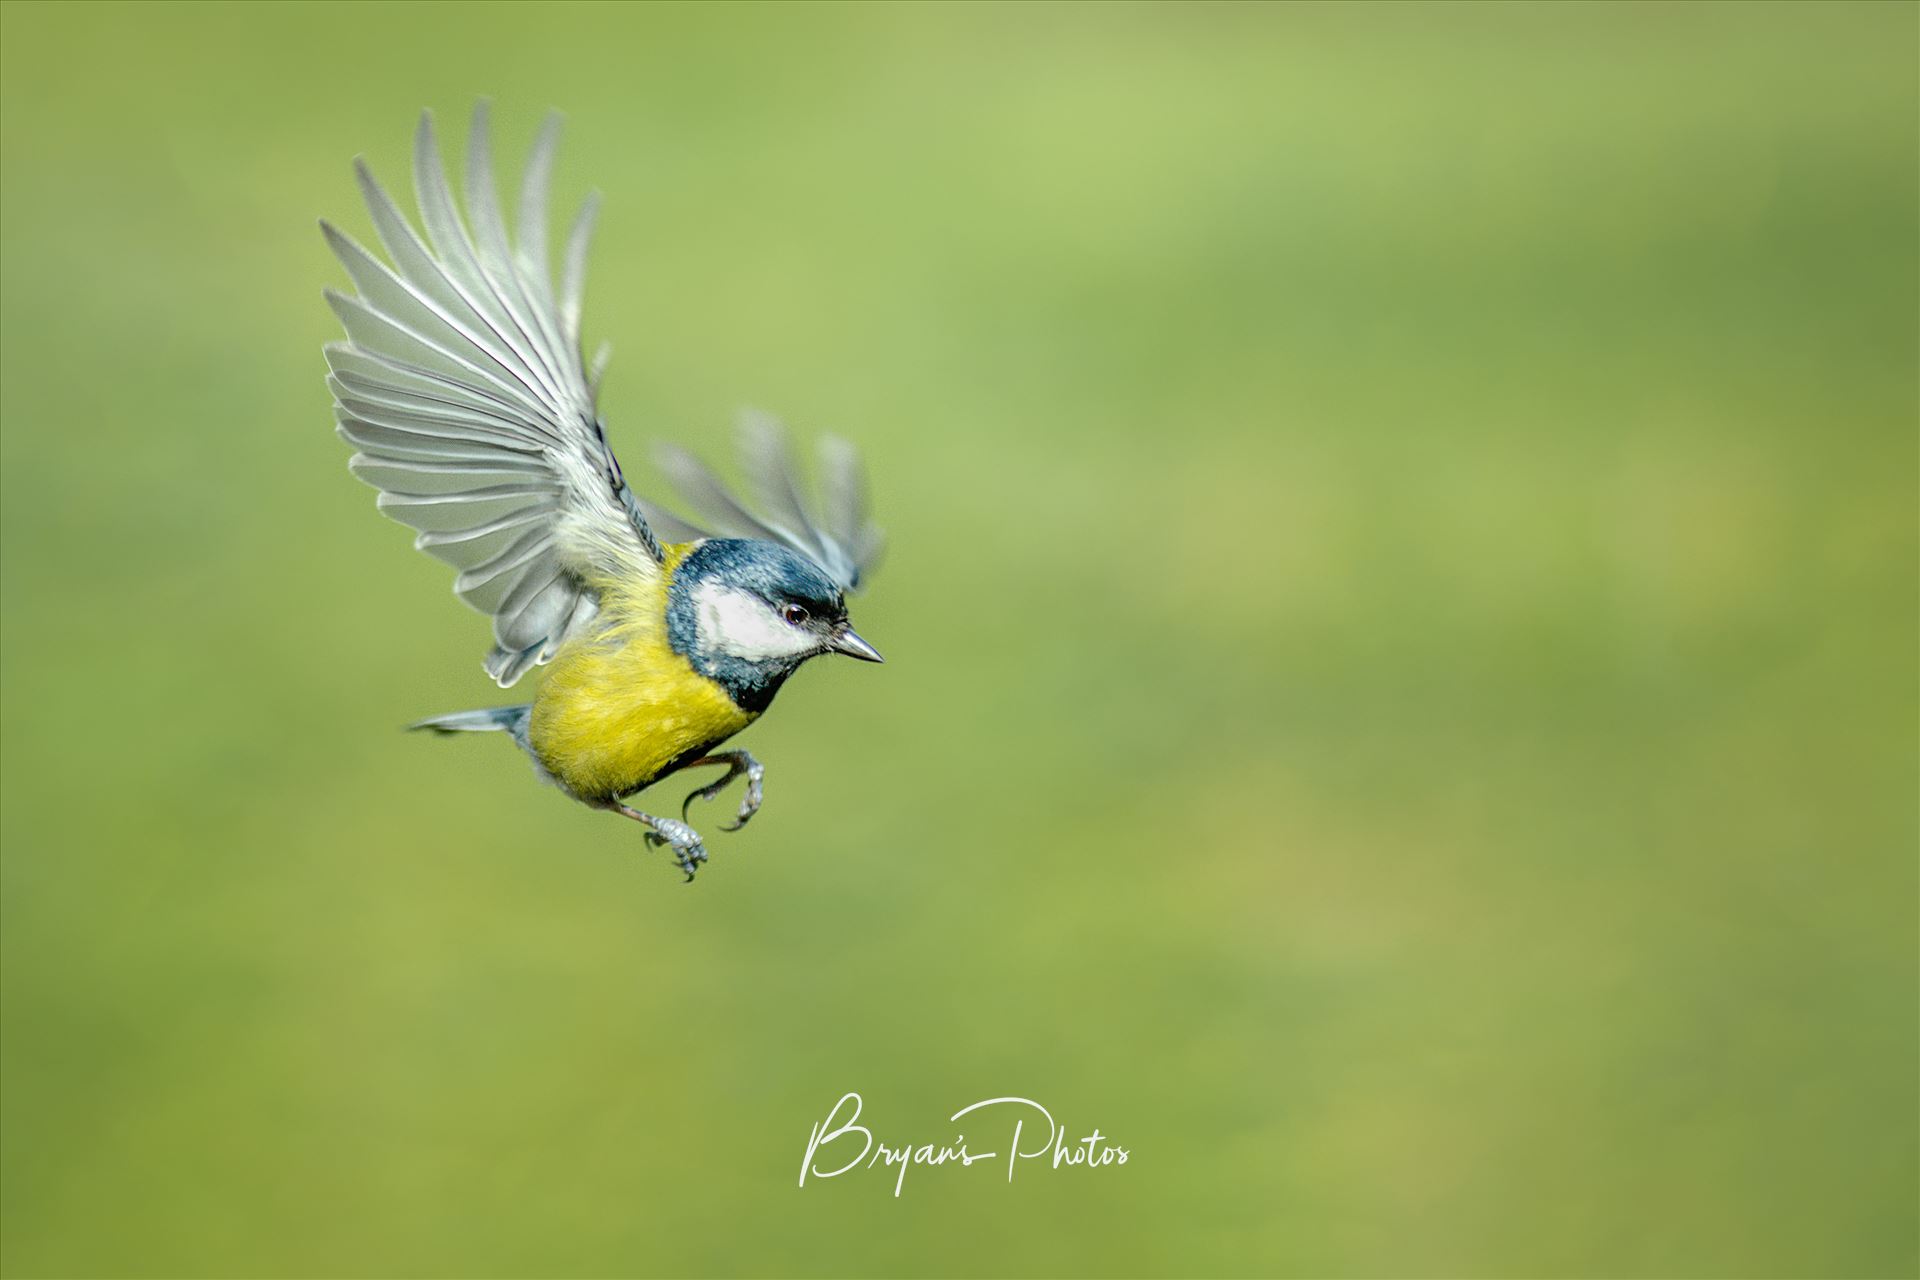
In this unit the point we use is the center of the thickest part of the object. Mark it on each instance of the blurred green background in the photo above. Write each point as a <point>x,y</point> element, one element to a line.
<point>1401,616</point>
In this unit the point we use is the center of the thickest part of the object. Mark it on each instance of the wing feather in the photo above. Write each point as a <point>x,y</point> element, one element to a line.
<point>768,461</point>
<point>451,423</point>
<point>429,446</point>
<point>424,319</point>
<point>534,184</point>
<point>458,259</point>
<point>502,264</point>
<point>443,542</point>
<point>364,371</point>
<point>421,270</point>
<point>835,532</point>
<point>711,498</point>
<point>574,283</point>
<point>464,389</point>
<point>452,513</point>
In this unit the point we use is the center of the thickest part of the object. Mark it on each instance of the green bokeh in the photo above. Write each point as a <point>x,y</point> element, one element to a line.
<point>1401,616</point>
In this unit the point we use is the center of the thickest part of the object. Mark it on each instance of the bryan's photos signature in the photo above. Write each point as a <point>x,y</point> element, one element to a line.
<point>841,1144</point>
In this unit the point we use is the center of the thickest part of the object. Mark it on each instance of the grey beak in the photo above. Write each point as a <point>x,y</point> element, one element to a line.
<point>850,643</point>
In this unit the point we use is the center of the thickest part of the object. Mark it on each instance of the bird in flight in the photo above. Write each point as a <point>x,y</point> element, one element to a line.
<point>463,388</point>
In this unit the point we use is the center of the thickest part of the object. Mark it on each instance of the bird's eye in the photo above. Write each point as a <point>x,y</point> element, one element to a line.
<point>794,614</point>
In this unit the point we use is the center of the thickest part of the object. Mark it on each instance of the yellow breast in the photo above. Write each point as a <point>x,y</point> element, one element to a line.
<point>618,705</point>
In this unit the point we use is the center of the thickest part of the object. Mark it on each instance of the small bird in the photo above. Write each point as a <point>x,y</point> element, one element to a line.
<point>463,388</point>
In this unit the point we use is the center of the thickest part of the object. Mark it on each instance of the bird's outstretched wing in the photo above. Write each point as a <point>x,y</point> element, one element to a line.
<point>834,530</point>
<point>461,383</point>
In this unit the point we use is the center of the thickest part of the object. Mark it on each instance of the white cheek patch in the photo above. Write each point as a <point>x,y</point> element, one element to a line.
<point>742,624</point>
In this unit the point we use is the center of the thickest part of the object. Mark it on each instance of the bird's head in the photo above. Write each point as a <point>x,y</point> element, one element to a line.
<point>747,613</point>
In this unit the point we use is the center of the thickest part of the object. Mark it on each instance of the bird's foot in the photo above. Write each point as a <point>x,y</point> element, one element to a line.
<point>683,840</point>
<point>738,763</point>
<point>688,852</point>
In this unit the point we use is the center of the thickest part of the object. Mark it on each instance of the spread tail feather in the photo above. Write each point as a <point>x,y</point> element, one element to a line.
<point>511,720</point>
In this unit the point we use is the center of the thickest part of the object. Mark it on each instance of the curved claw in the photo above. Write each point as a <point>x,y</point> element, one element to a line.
<point>750,802</point>
<point>738,763</point>
<point>707,792</point>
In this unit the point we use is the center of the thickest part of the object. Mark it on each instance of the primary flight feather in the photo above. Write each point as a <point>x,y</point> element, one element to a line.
<point>463,387</point>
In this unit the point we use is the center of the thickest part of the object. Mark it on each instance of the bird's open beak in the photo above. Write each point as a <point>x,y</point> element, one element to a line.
<point>848,641</point>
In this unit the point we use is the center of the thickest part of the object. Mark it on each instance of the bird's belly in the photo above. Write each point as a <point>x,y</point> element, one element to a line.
<point>610,718</point>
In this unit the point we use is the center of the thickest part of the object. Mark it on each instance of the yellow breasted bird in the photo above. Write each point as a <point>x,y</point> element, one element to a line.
<point>463,387</point>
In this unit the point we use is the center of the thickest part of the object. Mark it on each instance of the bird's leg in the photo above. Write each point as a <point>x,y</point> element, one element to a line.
<point>688,852</point>
<point>737,762</point>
